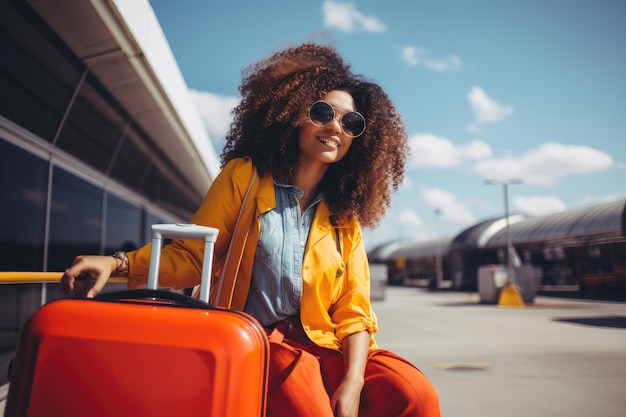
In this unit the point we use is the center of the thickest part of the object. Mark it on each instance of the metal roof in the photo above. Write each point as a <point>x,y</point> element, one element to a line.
<point>122,44</point>
<point>602,219</point>
<point>409,249</point>
<point>478,234</point>
<point>606,218</point>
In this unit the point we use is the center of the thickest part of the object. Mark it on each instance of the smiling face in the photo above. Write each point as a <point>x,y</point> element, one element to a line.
<point>327,144</point>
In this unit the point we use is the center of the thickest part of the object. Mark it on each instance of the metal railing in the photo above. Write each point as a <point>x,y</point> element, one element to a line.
<point>42,278</point>
<point>33,277</point>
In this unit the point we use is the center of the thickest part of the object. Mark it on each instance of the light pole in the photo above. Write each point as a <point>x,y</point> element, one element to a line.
<point>509,242</point>
<point>439,276</point>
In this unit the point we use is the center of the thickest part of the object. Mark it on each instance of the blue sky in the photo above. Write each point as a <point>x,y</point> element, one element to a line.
<point>489,89</point>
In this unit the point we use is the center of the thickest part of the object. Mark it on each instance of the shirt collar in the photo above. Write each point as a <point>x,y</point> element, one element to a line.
<point>298,192</point>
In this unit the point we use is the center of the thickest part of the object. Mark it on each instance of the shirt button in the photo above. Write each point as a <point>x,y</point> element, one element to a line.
<point>302,243</point>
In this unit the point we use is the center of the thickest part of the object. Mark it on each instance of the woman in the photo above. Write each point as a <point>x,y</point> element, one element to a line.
<point>328,148</point>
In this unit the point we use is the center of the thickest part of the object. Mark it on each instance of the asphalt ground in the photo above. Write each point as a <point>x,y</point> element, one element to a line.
<point>554,357</point>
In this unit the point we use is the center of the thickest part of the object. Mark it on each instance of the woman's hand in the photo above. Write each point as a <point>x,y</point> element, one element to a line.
<point>346,399</point>
<point>97,270</point>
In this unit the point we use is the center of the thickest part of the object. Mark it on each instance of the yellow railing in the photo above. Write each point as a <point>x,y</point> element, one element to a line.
<point>41,278</point>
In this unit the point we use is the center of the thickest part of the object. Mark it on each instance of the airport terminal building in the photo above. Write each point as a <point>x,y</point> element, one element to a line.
<point>99,139</point>
<point>579,249</point>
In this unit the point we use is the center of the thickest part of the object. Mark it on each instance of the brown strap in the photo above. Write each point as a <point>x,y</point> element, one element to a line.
<point>276,336</point>
<point>225,288</point>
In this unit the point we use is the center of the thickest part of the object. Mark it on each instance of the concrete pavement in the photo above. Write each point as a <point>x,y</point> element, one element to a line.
<point>557,357</point>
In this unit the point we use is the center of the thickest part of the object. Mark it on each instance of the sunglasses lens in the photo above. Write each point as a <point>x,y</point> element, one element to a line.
<point>353,124</point>
<point>321,113</point>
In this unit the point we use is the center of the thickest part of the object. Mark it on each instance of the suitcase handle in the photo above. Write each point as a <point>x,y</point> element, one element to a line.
<point>183,231</point>
<point>165,297</point>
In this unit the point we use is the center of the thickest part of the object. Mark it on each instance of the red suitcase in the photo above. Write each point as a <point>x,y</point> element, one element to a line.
<point>141,353</point>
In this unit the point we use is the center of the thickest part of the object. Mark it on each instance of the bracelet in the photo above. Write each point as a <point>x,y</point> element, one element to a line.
<point>121,268</point>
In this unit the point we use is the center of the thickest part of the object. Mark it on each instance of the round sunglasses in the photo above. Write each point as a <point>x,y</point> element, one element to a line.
<point>352,123</point>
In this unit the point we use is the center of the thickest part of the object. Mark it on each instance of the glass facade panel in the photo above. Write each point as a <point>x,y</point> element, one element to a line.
<point>148,220</point>
<point>94,126</point>
<point>17,304</point>
<point>38,74</point>
<point>75,219</point>
<point>23,189</point>
<point>131,163</point>
<point>122,225</point>
<point>158,186</point>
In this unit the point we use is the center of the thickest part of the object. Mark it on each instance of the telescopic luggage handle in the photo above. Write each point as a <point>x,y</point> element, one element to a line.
<point>183,231</point>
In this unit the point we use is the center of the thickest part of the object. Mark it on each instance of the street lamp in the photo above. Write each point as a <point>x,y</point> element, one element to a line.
<point>439,276</point>
<point>509,242</point>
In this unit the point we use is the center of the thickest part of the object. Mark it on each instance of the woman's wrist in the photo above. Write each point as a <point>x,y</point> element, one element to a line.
<point>121,264</point>
<point>356,380</point>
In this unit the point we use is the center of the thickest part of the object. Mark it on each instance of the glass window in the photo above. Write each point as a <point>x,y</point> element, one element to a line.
<point>148,220</point>
<point>75,219</point>
<point>159,186</point>
<point>122,225</point>
<point>17,303</point>
<point>132,162</point>
<point>94,125</point>
<point>23,187</point>
<point>38,74</point>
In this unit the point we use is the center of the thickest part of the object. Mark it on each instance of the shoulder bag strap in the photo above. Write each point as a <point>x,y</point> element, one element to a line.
<point>226,285</point>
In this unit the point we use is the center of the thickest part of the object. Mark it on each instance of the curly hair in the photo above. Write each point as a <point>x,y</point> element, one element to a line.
<point>277,91</point>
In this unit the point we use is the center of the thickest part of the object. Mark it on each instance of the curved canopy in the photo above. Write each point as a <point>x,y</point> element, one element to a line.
<point>409,249</point>
<point>603,219</point>
<point>600,219</point>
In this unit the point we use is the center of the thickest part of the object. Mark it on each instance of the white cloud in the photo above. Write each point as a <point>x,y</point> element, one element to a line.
<point>398,224</point>
<point>546,164</point>
<point>410,55</point>
<point>486,109</point>
<point>215,113</point>
<point>407,183</point>
<point>475,150</point>
<point>592,199</point>
<point>537,206</point>
<point>403,223</point>
<point>345,17</point>
<point>431,150</point>
<point>475,129</point>
<point>415,56</point>
<point>611,197</point>
<point>410,218</point>
<point>449,63</point>
<point>451,208</point>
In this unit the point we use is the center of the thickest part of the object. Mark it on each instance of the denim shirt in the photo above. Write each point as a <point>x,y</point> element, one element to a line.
<point>276,285</point>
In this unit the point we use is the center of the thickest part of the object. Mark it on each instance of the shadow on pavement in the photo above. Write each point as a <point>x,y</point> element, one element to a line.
<point>617,322</point>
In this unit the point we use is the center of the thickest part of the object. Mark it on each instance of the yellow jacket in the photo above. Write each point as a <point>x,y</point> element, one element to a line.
<point>335,294</point>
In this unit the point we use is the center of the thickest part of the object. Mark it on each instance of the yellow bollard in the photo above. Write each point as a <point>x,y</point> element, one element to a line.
<point>510,297</point>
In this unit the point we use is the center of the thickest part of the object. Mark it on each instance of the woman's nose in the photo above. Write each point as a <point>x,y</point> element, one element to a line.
<point>335,124</point>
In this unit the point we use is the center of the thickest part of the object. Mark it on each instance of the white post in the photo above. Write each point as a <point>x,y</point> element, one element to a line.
<point>439,257</point>
<point>509,240</point>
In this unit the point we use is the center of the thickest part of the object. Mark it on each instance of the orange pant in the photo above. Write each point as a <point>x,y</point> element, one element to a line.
<point>303,377</point>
